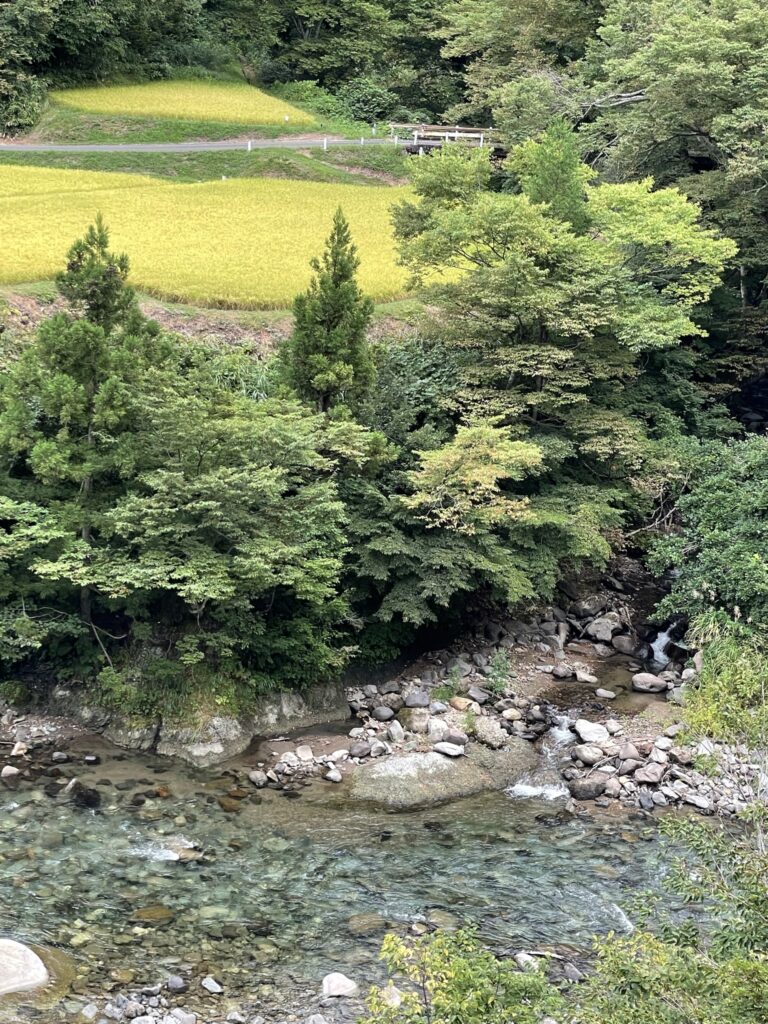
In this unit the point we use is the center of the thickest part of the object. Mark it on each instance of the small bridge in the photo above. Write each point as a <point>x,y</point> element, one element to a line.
<point>415,137</point>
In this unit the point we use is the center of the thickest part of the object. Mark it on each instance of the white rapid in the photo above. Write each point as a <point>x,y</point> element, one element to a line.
<point>546,784</point>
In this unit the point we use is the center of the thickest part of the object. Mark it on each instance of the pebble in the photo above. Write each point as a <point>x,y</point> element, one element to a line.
<point>211,985</point>
<point>605,694</point>
<point>334,775</point>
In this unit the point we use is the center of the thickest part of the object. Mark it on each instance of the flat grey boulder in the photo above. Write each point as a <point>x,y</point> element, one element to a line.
<point>423,779</point>
<point>21,968</point>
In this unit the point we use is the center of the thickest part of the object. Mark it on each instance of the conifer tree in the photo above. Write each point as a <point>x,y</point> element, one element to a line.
<point>95,281</point>
<point>327,359</point>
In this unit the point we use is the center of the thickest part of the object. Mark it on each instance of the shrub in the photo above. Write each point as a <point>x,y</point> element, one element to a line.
<point>454,980</point>
<point>367,98</point>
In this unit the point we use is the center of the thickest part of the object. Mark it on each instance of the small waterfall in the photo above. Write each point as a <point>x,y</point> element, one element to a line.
<point>659,657</point>
<point>546,784</point>
<point>560,734</point>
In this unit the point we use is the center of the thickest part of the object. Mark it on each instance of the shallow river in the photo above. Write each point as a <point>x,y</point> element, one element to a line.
<point>275,901</point>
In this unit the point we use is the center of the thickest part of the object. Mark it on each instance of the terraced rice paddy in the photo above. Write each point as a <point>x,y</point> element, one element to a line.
<point>227,102</point>
<point>237,243</point>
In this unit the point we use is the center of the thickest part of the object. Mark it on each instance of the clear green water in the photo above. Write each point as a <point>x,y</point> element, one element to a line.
<point>269,906</point>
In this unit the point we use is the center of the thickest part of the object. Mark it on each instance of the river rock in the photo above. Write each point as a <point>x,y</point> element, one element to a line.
<point>591,732</point>
<point>628,751</point>
<point>589,753</point>
<point>604,627</point>
<point>360,748</point>
<point>417,699</point>
<point>334,775</point>
<point>337,985</point>
<point>651,773</point>
<point>82,795</point>
<point>438,730</point>
<point>488,731</point>
<point>697,800</point>
<point>396,732</point>
<point>367,923</point>
<point>456,736</point>
<point>460,703</point>
<point>449,749</point>
<point>624,644</point>
<point>179,1016</point>
<point>382,713</point>
<point>9,773</point>
<point>258,778</point>
<point>478,695</point>
<point>390,686</point>
<point>211,985</point>
<point>391,996</point>
<point>304,753</point>
<point>424,779</point>
<point>612,788</point>
<point>21,969</point>
<point>415,719</point>
<point>588,606</point>
<point>589,788</point>
<point>647,682</point>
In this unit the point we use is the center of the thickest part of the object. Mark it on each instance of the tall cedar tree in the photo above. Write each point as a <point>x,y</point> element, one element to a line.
<point>327,359</point>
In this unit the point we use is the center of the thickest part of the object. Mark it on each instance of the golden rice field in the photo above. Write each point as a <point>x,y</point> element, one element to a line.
<point>230,102</point>
<point>237,243</point>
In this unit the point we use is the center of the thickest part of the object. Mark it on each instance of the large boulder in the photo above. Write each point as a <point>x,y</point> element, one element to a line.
<point>423,779</point>
<point>213,739</point>
<point>21,968</point>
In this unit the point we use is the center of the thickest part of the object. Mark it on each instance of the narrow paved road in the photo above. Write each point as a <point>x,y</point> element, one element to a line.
<point>196,147</point>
